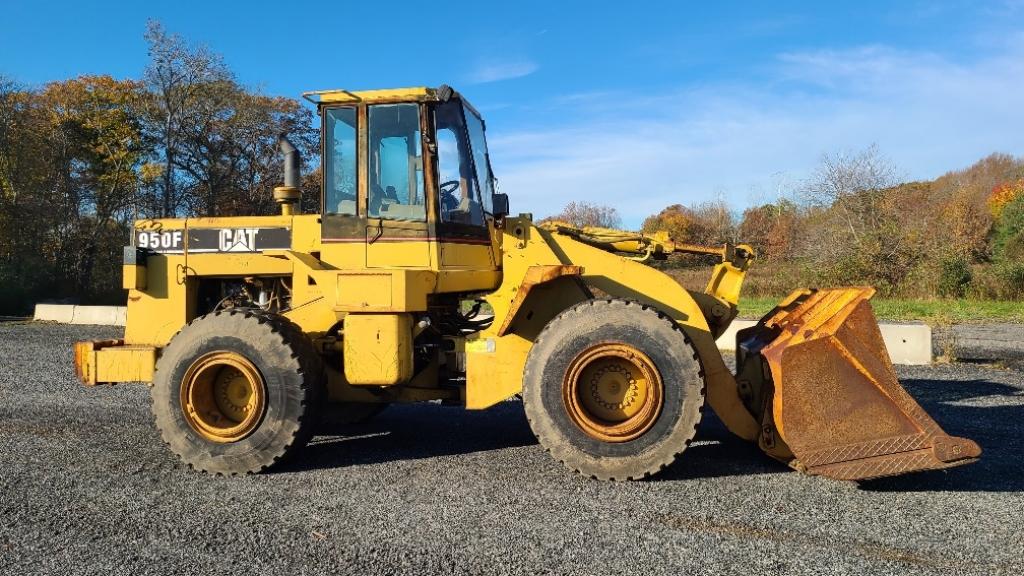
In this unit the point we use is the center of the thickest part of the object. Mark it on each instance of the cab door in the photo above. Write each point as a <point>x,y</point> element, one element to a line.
<point>464,192</point>
<point>396,232</point>
<point>344,213</point>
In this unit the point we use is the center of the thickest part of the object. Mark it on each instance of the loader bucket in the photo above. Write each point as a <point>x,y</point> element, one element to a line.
<point>816,373</point>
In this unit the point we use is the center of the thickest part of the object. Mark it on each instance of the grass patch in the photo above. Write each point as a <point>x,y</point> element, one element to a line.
<point>906,310</point>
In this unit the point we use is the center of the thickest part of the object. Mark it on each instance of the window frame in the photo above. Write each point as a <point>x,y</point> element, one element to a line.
<point>426,213</point>
<point>360,209</point>
<point>447,228</point>
<point>467,109</point>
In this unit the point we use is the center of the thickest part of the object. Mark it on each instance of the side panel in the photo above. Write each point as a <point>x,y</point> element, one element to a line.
<point>476,256</point>
<point>395,254</point>
<point>157,313</point>
<point>381,291</point>
<point>378,349</point>
<point>365,291</point>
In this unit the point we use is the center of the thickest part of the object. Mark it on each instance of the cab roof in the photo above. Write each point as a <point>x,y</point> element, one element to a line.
<point>414,94</point>
<point>389,95</point>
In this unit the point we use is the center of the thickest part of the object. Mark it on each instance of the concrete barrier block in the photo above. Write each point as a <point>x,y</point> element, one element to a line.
<point>99,315</point>
<point>62,313</point>
<point>727,341</point>
<point>909,344</point>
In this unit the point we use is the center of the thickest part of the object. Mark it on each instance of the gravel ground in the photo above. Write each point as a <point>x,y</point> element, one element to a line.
<point>86,486</point>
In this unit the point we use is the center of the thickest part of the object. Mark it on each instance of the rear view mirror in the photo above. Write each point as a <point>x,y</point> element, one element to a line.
<point>500,202</point>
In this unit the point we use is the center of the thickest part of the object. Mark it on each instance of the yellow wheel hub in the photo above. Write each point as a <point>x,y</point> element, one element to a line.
<point>613,392</point>
<point>223,396</point>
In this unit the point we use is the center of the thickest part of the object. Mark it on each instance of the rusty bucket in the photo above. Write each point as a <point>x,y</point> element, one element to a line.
<point>816,372</point>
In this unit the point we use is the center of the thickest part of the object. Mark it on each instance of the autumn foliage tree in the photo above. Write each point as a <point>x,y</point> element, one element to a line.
<point>80,158</point>
<point>706,223</point>
<point>772,230</point>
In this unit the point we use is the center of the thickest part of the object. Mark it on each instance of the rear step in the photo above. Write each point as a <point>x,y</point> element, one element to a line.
<point>816,374</point>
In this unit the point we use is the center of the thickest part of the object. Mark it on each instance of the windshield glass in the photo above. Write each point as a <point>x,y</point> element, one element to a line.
<point>481,160</point>
<point>340,161</point>
<point>459,189</point>
<point>396,163</point>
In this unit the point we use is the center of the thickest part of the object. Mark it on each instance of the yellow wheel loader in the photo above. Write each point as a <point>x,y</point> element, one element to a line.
<point>414,284</point>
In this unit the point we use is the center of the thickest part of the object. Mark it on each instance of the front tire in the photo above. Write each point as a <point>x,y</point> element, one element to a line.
<point>237,391</point>
<point>613,389</point>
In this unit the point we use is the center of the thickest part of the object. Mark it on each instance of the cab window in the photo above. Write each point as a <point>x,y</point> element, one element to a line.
<point>340,161</point>
<point>481,160</point>
<point>459,190</point>
<point>396,163</point>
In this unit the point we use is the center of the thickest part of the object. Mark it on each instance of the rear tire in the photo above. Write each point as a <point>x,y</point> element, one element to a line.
<point>613,389</point>
<point>237,391</point>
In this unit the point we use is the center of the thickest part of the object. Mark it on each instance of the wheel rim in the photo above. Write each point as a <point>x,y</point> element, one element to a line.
<point>223,396</point>
<point>613,392</point>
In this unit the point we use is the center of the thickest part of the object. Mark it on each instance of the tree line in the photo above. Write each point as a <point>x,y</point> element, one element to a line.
<point>853,222</point>
<point>81,158</point>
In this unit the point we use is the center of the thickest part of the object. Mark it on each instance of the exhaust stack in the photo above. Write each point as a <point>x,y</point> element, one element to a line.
<point>289,194</point>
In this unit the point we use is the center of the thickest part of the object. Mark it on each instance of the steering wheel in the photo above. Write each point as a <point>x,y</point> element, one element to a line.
<point>448,199</point>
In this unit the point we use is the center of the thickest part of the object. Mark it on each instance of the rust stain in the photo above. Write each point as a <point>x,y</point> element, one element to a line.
<point>833,404</point>
<point>535,275</point>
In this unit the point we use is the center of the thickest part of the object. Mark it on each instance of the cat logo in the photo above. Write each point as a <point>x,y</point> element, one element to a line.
<point>238,239</point>
<point>213,240</point>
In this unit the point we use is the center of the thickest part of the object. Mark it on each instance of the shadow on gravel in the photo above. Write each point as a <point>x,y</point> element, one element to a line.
<point>716,453</point>
<point>414,431</point>
<point>991,414</point>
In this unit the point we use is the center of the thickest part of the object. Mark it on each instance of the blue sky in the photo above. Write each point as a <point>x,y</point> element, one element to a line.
<point>635,105</point>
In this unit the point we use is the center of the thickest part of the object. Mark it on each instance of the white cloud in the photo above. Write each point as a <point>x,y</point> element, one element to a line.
<point>927,113</point>
<point>493,71</point>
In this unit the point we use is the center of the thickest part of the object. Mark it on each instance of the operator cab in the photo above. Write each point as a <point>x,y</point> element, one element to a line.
<point>408,167</point>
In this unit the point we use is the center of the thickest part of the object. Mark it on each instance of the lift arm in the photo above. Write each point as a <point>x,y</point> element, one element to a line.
<point>726,278</point>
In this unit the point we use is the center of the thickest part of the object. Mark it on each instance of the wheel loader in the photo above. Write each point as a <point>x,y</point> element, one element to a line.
<point>415,284</point>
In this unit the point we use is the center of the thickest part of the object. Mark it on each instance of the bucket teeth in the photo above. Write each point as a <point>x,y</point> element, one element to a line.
<point>831,403</point>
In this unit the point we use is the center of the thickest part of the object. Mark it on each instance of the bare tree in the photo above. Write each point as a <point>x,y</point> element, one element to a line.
<point>176,77</point>
<point>586,214</point>
<point>855,214</point>
<point>853,184</point>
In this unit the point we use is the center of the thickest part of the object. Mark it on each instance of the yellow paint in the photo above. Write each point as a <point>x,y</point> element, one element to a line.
<point>727,279</point>
<point>385,291</point>
<point>613,392</point>
<point>157,313</point>
<point>133,277</point>
<point>494,376</point>
<point>364,292</point>
<point>414,94</point>
<point>378,349</point>
<point>223,396</point>
<point>112,361</point>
